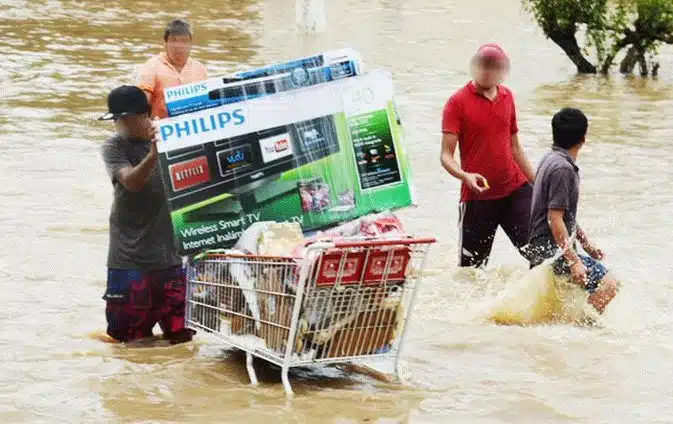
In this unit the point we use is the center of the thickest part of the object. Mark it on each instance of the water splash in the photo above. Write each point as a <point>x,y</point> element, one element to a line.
<point>539,297</point>
<point>101,336</point>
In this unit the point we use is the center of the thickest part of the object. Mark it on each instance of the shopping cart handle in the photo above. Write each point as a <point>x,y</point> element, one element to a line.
<point>384,242</point>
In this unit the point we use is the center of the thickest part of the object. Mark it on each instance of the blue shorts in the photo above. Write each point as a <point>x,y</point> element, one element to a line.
<point>543,249</point>
<point>595,270</point>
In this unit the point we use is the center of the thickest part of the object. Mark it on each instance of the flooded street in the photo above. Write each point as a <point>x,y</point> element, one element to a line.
<point>59,59</point>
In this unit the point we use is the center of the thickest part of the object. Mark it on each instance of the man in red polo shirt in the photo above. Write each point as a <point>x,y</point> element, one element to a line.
<point>496,175</point>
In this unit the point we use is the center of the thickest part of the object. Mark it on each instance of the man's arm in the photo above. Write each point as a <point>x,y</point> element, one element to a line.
<point>447,158</point>
<point>578,271</point>
<point>475,182</point>
<point>561,236</point>
<point>521,159</point>
<point>133,178</point>
<point>451,127</point>
<point>582,236</point>
<point>560,182</point>
<point>587,245</point>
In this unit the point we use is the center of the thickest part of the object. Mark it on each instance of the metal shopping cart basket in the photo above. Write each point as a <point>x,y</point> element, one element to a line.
<point>343,301</point>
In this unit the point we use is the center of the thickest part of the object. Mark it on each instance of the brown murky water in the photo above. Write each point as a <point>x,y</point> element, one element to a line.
<point>58,60</point>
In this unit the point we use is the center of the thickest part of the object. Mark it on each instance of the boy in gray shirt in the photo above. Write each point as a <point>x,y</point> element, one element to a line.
<point>146,280</point>
<point>554,212</point>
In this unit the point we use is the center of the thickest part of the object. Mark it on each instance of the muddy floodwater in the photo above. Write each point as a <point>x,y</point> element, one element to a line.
<point>58,61</point>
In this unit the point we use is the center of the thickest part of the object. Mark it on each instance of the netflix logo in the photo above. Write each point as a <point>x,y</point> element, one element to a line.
<point>189,173</point>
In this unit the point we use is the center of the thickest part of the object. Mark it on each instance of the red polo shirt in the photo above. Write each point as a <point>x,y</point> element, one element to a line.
<point>485,130</point>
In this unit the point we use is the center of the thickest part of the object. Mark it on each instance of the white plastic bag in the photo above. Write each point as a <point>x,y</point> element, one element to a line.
<point>249,240</point>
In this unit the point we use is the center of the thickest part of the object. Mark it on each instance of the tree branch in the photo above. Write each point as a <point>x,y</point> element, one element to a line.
<point>637,25</point>
<point>629,61</point>
<point>665,38</point>
<point>568,43</point>
<point>629,38</point>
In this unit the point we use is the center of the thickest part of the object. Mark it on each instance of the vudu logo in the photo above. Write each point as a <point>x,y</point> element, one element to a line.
<point>237,157</point>
<point>204,124</point>
<point>186,91</point>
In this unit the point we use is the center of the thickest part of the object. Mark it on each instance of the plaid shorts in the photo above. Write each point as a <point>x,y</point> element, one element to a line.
<point>138,300</point>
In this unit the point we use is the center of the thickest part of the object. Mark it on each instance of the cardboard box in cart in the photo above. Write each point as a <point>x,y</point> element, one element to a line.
<point>264,81</point>
<point>317,156</point>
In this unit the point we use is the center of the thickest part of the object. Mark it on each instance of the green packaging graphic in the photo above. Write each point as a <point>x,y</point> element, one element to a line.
<point>319,156</point>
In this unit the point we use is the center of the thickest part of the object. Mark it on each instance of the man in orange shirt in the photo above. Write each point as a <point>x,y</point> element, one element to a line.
<point>170,68</point>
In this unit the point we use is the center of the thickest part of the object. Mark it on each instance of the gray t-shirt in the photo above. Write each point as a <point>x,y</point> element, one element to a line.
<point>557,183</point>
<point>141,233</point>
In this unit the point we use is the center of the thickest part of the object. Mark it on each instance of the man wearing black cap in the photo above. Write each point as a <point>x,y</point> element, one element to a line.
<point>146,280</point>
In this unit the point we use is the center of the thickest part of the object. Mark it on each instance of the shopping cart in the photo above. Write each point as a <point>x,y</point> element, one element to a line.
<point>343,301</point>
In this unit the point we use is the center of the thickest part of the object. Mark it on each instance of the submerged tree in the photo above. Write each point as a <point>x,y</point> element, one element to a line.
<point>608,27</point>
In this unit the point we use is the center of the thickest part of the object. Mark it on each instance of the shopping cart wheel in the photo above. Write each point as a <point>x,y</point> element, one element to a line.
<point>251,369</point>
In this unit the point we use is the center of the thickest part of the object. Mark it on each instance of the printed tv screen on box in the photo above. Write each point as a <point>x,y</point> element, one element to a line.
<point>318,156</point>
<point>246,85</point>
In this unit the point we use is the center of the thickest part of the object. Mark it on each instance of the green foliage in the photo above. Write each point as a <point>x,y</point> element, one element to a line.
<point>564,13</point>
<point>610,26</point>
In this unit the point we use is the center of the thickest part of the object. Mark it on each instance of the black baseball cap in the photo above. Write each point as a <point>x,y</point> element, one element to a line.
<point>126,100</point>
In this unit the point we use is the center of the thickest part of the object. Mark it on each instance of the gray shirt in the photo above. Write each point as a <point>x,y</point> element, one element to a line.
<point>141,233</point>
<point>557,183</point>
